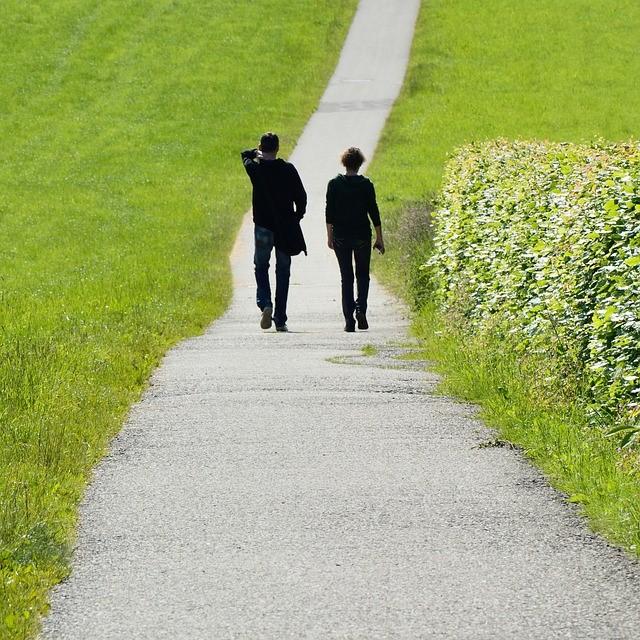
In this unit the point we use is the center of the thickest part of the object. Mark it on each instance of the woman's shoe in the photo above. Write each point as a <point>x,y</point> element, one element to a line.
<point>265,319</point>
<point>362,320</point>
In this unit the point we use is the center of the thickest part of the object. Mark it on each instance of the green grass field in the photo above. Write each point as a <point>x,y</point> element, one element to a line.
<point>562,71</point>
<point>121,190</point>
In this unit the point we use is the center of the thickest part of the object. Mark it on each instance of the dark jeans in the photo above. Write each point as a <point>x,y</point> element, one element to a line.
<point>263,248</point>
<point>350,251</point>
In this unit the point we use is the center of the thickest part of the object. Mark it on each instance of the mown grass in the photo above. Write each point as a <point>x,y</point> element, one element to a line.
<point>504,68</point>
<point>562,71</point>
<point>121,191</point>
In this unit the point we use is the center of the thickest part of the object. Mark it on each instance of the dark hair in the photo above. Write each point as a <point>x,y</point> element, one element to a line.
<point>269,142</point>
<point>352,158</point>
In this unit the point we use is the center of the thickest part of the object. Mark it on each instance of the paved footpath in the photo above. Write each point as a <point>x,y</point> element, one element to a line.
<point>285,486</point>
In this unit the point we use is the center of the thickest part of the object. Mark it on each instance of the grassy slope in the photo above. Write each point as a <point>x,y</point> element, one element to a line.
<point>504,68</point>
<point>120,194</point>
<point>547,70</point>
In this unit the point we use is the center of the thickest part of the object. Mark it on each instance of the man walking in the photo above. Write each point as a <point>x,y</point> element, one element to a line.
<point>279,203</point>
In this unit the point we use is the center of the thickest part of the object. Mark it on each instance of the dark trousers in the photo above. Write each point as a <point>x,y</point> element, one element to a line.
<point>350,252</point>
<point>263,249</point>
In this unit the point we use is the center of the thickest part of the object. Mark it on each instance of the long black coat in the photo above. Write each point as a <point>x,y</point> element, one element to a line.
<point>279,200</point>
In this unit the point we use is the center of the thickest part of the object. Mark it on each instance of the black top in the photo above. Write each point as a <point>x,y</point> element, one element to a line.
<point>351,201</point>
<point>276,185</point>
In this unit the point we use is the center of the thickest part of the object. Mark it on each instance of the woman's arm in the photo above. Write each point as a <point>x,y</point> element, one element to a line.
<point>330,236</point>
<point>372,206</point>
<point>330,211</point>
<point>374,214</point>
<point>379,243</point>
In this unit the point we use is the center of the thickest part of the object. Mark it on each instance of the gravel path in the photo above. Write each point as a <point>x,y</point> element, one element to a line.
<point>286,486</point>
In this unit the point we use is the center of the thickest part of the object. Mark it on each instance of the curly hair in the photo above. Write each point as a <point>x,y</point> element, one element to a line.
<point>352,158</point>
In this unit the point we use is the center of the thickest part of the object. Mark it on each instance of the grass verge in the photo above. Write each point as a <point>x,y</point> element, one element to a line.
<point>549,424</point>
<point>121,191</point>
<point>502,68</point>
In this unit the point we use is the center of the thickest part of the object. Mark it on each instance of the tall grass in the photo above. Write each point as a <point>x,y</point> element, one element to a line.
<point>121,191</point>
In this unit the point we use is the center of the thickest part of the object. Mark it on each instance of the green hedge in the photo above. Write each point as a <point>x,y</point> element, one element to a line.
<point>540,242</point>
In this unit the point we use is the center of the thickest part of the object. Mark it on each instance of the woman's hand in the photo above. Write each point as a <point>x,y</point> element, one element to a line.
<point>330,236</point>
<point>379,245</point>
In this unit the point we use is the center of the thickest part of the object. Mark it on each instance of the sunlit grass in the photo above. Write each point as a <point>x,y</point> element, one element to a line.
<point>121,191</point>
<point>563,71</point>
<point>550,424</point>
<point>369,350</point>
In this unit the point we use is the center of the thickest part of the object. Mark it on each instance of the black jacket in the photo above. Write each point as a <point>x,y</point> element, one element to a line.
<point>276,189</point>
<point>351,201</point>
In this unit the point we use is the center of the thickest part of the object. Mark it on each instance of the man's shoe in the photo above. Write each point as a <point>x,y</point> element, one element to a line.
<point>282,328</point>
<point>362,320</point>
<point>350,325</point>
<point>265,321</point>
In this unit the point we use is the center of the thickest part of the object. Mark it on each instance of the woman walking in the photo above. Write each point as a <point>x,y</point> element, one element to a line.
<point>351,202</point>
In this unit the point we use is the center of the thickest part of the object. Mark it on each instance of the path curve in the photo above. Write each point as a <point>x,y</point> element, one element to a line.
<point>284,486</point>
